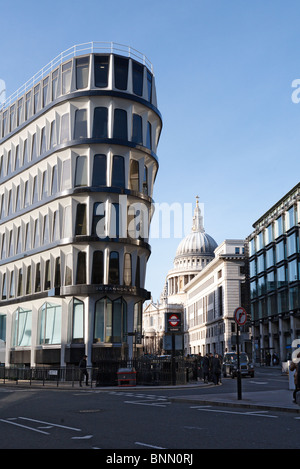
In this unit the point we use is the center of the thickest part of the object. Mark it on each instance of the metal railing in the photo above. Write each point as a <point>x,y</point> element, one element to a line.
<point>75,51</point>
<point>147,372</point>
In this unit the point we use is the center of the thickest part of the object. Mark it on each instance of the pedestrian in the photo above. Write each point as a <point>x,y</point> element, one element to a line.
<point>199,367</point>
<point>205,368</point>
<point>83,371</point>
<point>216,369</point>
<point>295,366</point>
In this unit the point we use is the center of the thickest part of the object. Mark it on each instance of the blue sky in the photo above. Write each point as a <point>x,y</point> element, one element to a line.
<point>224,71</point>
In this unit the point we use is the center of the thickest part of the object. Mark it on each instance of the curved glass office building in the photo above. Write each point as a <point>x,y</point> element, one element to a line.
<point>77,168</point>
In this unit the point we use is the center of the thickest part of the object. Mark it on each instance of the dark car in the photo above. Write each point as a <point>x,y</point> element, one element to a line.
<point>229,367</point>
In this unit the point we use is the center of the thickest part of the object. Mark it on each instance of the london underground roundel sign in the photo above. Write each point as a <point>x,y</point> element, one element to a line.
<point>174,320</point>
<point>240,316</point>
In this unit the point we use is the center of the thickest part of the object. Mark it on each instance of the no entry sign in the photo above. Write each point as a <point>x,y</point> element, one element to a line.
<point>240,316</point>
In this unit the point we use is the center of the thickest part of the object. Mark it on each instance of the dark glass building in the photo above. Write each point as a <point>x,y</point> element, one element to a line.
<point>274,265</point>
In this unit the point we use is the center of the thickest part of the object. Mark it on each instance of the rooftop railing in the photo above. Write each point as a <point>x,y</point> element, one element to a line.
<point>75,51</point>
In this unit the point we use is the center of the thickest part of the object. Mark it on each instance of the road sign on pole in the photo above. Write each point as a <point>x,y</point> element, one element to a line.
<point>240,317</point>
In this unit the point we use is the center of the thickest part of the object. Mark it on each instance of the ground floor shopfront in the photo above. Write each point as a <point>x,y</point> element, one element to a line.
<point>59,330</point>
<point>277,335</point>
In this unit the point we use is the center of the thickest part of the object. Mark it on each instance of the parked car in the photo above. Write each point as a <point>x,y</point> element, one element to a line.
<point>229,367</point>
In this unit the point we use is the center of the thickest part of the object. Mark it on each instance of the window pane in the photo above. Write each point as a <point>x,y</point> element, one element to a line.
<point>149,83</point>
<point>78,320</point>
<point>99,220</point>
<point>97,272</point>
<point>134,175</point>
<point>99,170</point>
<point>137,77</point>
<point>37,278</point>
<point>66,77</point>
<point>80,130</point>
<point>81,269</point>
<point>118,172</point>
<point>100,122</point>
<point>55,84</point>
<point>113,268</point>
<point>101,71</point>
<point>120,124</point>
<point>82,72</point>
<point>68,270</point>
<point>66,175</point>
<point>121,73</point>
<point>149,136</point>
<point>46,99</point>
<point>81,171</point>
<point>99,321</point>
<point>47,276</point>
<point>80,228</point>
<point>127,269</point>
<point>64,128</point>
<point>137,134</point>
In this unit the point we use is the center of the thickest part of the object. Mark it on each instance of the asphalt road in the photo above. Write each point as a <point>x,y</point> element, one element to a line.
<point>133,419</point>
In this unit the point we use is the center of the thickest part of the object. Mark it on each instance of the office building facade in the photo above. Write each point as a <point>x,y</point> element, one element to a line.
<point>78,163</point>
<point>274,268</point>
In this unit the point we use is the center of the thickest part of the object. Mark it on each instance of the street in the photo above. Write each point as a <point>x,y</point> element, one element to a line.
<point>133,419</point>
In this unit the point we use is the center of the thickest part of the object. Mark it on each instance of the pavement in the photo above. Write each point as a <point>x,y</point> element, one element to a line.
<point>276,400</point>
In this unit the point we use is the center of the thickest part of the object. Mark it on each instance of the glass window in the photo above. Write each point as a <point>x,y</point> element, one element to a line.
<point>81,171</point>
<point>66,77</point>
<point>33,147</point>
<point>3,327</point>
<point>47,284</point>
<point>260,263</point>
<point>101,70</point>
<point>292,243</point>
<point>253,290</point>
<point>44,185</point>
<point>137,133</point>
<point>25,152</point>
<point>113,275</point>
<point>82,72</point>
<point>290,218</point>
<point>137,78</point>
<point>149,136</point>
<point>20,282</point>
<point>57,276</point>
<point>20,111</point>
<point>27,237</point>
<point>137,318</point>
<point>269,258</point>
<point>46,97</point>
<point>17,158</point>
<point>115,221</point>
<point>80,130</point>
<point>283,301</point>
<point>46,238</point>
<point>28,105</point>
<point>280,251</point>
<point>100,122</point>
<point>68,270</point>
<point>77,321</point>
<point>110,320</point>
<point>54,187</point>
<point>53,139</point>
<point>35,196</point>
<point>145,181</point>
<point>36,234</point>
<point>261,285</point>
<point>138,272</point>
<point>99,220</point>
<point>66,175</point>
<point>12,117</point>
<point>149,83</point>
<point>260,241</point>
<point>43,141</point>
<point>55,84</point>
<point>281,276</point>
<point>118,172</point>
<point>4,287</point>
<point>293,270</point>
<point>127,269</point>
<point>64,128</point>
<point>67,222</point>
<point>120,124</point>
<point>28,280</point>
<point>279,229</point>
<point>121,73</point>
<point>98,268</point>
<point>21,328</point>
<point>36,100</point>
<point>294,297</point>
<point>80,227</point>
<point>50,324</point>
<point>99,171</point>
<point>81,268</point>
<point>134,175</point>
<point>37,277</point>
<point>55,231</point>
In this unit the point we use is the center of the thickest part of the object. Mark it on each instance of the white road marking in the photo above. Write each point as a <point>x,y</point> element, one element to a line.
<point>87,437</point>
<point>149,446</point>
<point>24,426</point>
<point>53,424</point>
<point>255,414</point>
